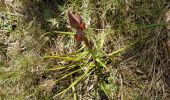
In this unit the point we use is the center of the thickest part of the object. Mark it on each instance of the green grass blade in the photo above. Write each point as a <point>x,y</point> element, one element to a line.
<point>64,58</point>
<point>121,50</point>
<point>74,83</point>
<point>100,62</point>
<point>75,53</point>
<point>83,54</point>
<point>70,67</point>
<point>68,75</point>
<point>117,51</point>
<point>74,90</point>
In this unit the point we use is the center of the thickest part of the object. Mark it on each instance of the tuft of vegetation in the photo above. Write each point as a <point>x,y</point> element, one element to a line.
<point>41,60</point>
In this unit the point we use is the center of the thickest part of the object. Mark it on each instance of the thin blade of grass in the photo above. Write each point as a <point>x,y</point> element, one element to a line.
<point>121,50</point>
<point>74,83</point>
<point>69,68</point>
<point>68,75</point>
<point>64,58</point>
<point>56,68</point>
<point>101,63</point>
<point>76,52</point>
<point>83,54</point>
<point>74,90</point>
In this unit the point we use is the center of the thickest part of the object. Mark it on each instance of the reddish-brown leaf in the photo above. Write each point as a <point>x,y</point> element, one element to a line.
<point>73,20</point>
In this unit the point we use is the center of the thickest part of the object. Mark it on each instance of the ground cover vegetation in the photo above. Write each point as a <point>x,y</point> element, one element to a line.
<point>129,57</point>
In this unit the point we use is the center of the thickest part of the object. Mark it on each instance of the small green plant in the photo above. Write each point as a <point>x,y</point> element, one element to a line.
<point>84,62</point>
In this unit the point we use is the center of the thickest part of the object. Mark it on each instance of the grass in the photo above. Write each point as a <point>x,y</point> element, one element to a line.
<point>40,60</point>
